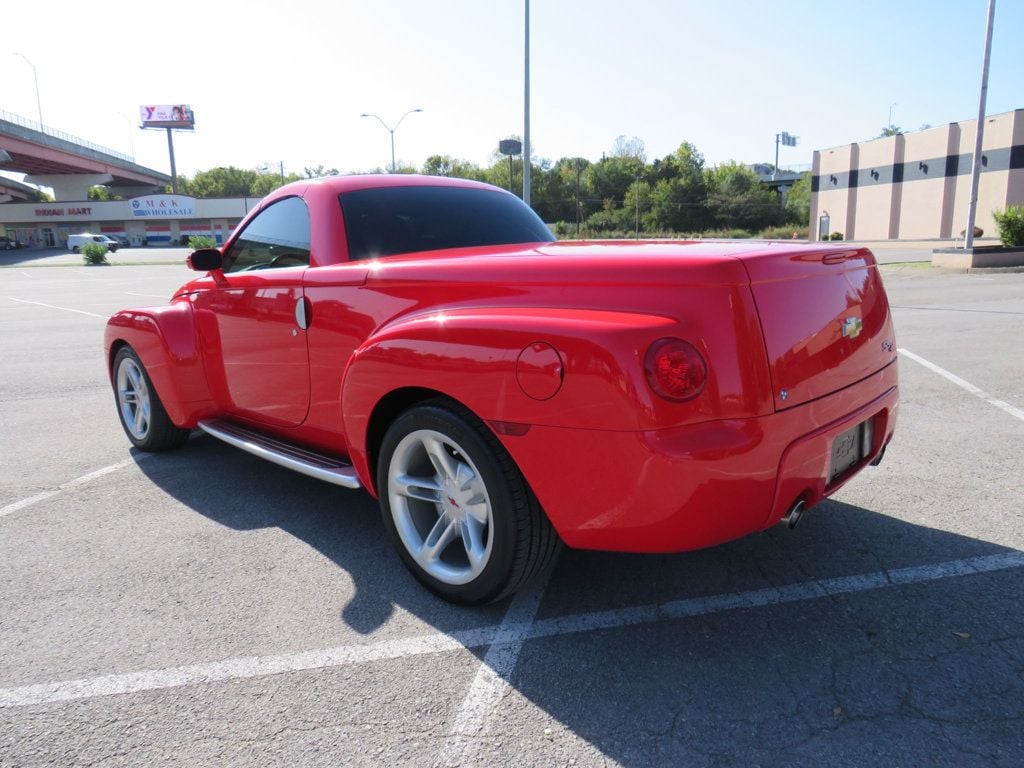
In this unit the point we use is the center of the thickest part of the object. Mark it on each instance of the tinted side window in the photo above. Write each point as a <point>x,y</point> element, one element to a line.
<point>392,220</point>
<point>277,237</point>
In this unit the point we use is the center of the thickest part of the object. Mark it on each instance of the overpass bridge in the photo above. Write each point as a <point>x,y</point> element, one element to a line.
<point>68,164</point>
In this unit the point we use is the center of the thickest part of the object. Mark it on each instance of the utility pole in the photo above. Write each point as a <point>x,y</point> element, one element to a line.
<point>638,203</point>
<point>972,208</point>
<point>526,110</point>
<point>579,211</point>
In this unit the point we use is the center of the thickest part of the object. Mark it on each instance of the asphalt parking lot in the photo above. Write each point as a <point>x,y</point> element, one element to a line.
<point>202,607</point>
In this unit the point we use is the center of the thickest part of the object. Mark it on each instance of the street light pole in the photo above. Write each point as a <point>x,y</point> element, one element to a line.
<point>526,108</point>
<point>35,79</point>
<point>131,136</point>
<point>889,124</point>
<point>972,208</point>
<point>391,130</point>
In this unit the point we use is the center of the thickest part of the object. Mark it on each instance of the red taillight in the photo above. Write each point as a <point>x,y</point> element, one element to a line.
<point>675,369</point>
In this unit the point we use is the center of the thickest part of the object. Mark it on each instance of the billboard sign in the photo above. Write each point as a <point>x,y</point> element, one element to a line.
<point>162,206</point>
<point>167,116</point>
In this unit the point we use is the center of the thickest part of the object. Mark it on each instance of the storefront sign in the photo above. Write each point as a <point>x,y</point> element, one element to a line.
<point>43,212</point>
<point>162,206</point>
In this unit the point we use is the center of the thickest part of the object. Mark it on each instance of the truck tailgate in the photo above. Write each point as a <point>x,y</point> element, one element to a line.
<point>825,319</point>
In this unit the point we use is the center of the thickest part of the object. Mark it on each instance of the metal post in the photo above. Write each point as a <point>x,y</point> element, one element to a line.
<point>392,132</point>
<point>282,171</point>
<point>972,209</point>
<point>526,110</point>
<point>775,168</point>
<point>510,173</point>
<point>174,170</point>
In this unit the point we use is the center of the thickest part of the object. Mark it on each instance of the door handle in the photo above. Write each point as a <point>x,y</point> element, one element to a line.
<point>301,313</point>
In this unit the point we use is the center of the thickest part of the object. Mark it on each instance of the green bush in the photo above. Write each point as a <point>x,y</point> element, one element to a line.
<point>1011,226</point>
<point>201,241</point>
<point>728,234</point>
<point>836,236</point>
<point>94,253</point>
<point>790,232</point>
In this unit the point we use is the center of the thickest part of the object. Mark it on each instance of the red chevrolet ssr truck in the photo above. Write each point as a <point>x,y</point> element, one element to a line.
<point>502,393</point>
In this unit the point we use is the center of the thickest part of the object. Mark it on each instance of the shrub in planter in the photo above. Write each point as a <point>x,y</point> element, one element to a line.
<point>836,236</point>
<point>201,241</point>
<point>978,232</point>
<point>1011,226</point>
<point>94,253</point>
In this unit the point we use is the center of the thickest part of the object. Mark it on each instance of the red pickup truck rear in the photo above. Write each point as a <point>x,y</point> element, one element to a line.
<point>801,395</point>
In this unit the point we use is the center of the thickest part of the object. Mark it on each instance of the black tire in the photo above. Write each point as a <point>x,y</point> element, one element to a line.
<point>75,249</point>
<point>520,539</point>
<point>149,428</point>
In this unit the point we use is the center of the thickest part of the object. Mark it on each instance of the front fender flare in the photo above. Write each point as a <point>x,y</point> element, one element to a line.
<point>166,342</point>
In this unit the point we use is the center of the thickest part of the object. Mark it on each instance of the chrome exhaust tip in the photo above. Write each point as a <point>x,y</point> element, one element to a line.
<point>792,517</point>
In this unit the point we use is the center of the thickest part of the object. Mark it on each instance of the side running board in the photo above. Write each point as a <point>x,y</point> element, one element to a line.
<point>319,465</point>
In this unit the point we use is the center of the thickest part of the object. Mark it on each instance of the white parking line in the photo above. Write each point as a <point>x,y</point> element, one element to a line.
<point>1017,413</point>
<point>26,274</point>
<point>165,297</point>
<point>14,507</point>
<point>259,666</point>
<point>64,309</point>
<point>491,683</point>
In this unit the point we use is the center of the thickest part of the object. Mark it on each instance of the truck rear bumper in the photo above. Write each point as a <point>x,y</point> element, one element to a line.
<point>697,486</point>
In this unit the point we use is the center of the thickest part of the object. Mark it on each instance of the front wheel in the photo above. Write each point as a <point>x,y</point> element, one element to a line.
<point>459,511</point>
<point>142,414</point>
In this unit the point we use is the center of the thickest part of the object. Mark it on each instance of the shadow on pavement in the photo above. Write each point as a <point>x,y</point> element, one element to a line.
<point>919,674</point>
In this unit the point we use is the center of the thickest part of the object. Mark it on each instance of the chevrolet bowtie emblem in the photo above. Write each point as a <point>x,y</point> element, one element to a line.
<point>852,326</point>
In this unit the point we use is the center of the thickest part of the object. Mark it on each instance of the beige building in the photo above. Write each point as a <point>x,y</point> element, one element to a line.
<point>917,186</point>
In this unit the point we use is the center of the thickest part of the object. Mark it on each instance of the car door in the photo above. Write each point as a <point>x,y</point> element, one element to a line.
<point>252,321</point>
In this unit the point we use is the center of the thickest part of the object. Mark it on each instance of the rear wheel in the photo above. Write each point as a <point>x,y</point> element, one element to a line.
<point>461,514</point>
<point>142,414</point>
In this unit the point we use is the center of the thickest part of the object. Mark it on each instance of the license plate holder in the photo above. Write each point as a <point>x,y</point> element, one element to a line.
<point>848,448</point>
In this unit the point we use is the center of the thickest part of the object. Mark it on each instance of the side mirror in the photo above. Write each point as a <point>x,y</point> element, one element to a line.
<point>205,260</point>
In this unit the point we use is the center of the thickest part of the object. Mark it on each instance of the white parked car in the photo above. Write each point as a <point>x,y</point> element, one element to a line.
<point>75,242</point>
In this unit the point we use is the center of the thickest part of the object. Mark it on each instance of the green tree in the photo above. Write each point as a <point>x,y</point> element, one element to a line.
<point>680,195</point>
<point>738,199</point>
<point>100,193</point>
<point>798,200</point>
<point>222,182</point>
<point>266,183</point>
<point>233,182</point>
<point>607,180</point>
<point>446,165</point>
<point>890,130</point>
<point>319,171</point>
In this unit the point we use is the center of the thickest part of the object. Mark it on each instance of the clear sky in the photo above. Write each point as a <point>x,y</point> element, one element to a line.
<point>287,81</point>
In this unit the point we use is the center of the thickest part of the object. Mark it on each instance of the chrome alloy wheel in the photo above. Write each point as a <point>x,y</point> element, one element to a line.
<point>440,507</point>
<point>133,398</point>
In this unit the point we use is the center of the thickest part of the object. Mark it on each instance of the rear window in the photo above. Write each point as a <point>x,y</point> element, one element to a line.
<point>394,220</point>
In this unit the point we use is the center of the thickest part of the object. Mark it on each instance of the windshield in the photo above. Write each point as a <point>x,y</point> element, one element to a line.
<point>392,220</point>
